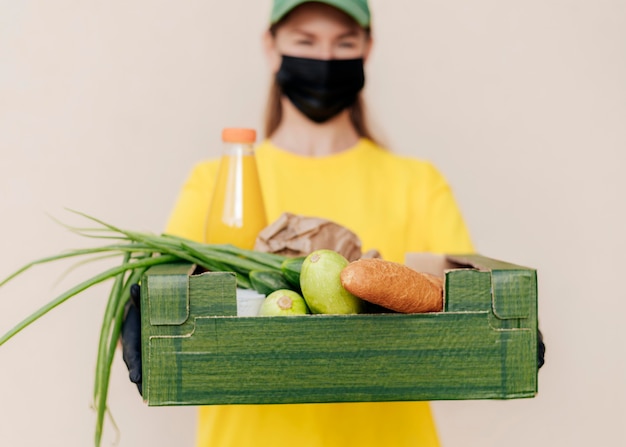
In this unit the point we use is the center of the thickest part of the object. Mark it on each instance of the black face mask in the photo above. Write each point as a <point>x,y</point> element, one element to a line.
<point>321,89</point>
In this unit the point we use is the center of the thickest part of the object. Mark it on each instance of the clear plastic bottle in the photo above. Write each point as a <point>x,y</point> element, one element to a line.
<point>237,212</point>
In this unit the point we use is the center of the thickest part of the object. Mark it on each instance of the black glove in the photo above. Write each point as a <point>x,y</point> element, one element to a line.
<point>541,350</point>
<point>131,336</point>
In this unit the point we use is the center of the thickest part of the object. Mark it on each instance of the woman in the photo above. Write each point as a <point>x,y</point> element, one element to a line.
<point>319,160</point>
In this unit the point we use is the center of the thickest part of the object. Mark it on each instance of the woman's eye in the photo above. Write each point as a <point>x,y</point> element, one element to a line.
<point>304,42</point>
<point>347,45</point>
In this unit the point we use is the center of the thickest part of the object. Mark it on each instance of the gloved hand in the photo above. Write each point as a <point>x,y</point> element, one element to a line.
<point>541,350</point>
<point>131,336</point>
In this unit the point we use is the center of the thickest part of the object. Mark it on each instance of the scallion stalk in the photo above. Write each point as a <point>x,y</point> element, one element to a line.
<point>139,251</point>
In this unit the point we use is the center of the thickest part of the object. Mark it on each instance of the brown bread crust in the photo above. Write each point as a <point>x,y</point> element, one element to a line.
<point>393,286</point>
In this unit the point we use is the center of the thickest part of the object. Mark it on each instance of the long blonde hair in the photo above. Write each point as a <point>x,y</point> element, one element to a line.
<point>274,109</point>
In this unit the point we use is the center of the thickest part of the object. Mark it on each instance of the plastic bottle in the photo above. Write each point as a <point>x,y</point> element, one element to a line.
<point>237,212</point>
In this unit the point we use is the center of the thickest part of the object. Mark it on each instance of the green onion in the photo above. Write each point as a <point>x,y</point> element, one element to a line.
<point>138,252</point>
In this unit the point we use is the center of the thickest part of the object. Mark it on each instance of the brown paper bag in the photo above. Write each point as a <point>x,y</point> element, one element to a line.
<point>295,235</point>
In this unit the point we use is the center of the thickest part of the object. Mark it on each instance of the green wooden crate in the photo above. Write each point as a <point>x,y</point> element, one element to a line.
<point>196,351</point>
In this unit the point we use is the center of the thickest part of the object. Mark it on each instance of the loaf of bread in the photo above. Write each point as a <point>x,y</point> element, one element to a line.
<point>393,286</point>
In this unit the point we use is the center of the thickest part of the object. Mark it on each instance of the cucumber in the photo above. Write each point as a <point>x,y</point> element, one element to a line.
<point>283,302</point>
<point>268,281</point>
<point>291,269</point>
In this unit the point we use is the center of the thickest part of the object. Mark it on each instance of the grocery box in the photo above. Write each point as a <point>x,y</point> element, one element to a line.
<point>483,345</point>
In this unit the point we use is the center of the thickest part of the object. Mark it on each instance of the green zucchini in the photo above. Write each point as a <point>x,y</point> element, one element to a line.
<point>291,269</point>
<point>268,281</point>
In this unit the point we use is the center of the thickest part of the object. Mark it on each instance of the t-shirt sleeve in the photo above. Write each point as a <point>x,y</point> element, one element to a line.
<point>190,210</point>
<point>444,226</point>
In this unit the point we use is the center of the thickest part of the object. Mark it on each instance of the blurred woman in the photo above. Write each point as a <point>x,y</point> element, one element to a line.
<point>319,159</point>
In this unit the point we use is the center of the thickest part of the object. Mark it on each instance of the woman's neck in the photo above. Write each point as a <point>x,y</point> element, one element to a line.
<point>299,135</point>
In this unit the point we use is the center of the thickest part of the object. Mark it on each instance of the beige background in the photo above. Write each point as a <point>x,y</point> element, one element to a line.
<point>104,107</point>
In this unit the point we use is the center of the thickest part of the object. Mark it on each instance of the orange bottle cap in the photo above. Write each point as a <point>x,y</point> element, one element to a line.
<point>238,135</point>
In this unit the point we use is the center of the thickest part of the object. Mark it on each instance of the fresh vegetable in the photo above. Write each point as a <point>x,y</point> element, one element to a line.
<point>393,286</point>
<point>291,269</point>
<point>138,252</point>
<point>321,285</point>
<point>268,281</point>
<point>283,302</point>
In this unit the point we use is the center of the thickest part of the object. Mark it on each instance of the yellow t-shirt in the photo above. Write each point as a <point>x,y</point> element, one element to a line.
<point>394,204</point>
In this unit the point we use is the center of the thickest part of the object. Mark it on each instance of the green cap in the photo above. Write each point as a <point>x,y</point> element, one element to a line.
<point>357,9</point>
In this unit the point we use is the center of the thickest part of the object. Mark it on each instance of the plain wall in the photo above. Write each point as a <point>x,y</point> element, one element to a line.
<point>105,106</point>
